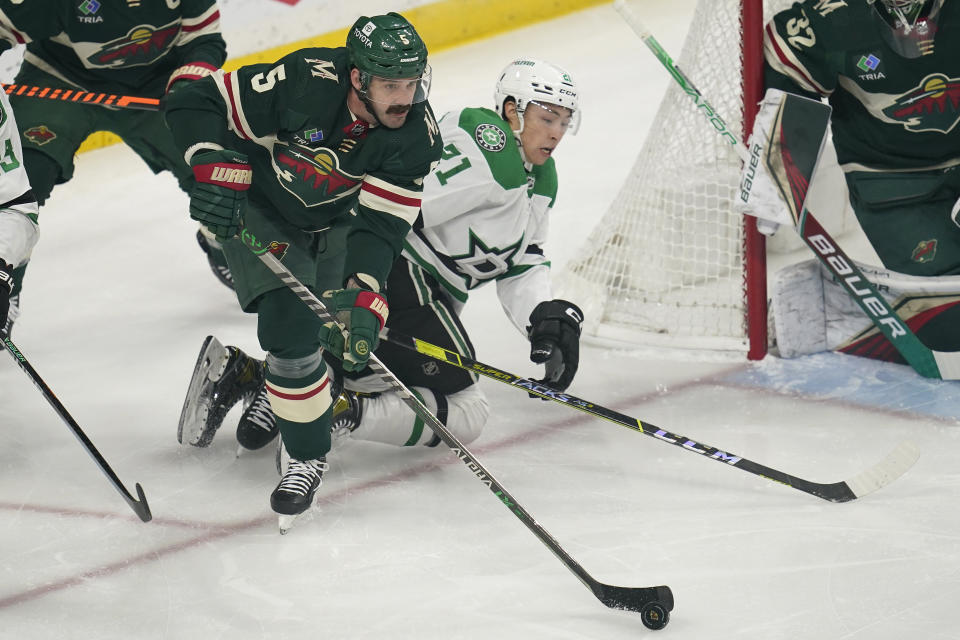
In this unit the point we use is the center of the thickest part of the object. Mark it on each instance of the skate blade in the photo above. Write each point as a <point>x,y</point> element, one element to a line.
<point>210,366</point>
<point>286,522</point>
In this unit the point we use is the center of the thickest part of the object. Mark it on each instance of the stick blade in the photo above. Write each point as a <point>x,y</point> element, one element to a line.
<point>654,604</point>
<point>897,463</point>
<point>141,508</point>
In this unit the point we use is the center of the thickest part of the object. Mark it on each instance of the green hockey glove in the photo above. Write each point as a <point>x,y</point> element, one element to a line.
<point>362,314</point>
<point>217,199</point>
<point>188,73</point>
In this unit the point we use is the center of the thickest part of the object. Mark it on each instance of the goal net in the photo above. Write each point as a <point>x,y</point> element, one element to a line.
<point>666,264</point>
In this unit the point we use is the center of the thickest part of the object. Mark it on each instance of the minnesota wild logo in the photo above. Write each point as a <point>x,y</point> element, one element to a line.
<point>275,247</point>
<point>141,46</point>
<point>313,176</point>
<point>925,251</point>
<point>39,134</point>
<point>934,105</point>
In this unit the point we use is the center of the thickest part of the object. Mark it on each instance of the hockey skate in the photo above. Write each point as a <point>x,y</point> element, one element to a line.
<point>295,493</point>
<point>221,378</point>
<point>258,426</point>
<point>347,413</point>
<point>216,260</point>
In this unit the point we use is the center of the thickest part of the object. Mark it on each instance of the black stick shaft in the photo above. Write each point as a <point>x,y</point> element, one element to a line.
<point>140,507</point>
<point>633,599</point>
<point>833,492</point>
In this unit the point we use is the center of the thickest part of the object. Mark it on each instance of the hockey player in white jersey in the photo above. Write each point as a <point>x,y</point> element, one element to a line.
<point>18,213</point>
<point>484,219</point>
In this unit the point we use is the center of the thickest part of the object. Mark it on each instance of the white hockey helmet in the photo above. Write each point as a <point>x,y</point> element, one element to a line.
<point>528,80</point>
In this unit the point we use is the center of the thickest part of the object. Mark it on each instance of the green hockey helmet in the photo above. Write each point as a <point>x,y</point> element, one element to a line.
<point>387,46</point>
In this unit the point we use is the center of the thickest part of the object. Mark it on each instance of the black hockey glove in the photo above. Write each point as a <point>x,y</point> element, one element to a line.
<point>217,198</point>
<point>6,288</point>
<point>554,334</point>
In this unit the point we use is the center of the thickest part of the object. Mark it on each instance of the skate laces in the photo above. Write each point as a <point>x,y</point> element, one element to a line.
<point>259,412</point>
<point>302,474</point>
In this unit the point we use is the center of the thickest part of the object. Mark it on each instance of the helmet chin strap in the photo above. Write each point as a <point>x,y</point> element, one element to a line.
<point>365,99</point>
<point>516,137</point>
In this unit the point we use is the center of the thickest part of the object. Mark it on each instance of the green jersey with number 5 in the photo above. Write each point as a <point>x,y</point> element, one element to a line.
<point>314,162</point>
<point>484,215</point>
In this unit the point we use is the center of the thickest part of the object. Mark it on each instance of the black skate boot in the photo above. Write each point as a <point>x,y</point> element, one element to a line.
<point>216,260</point>
<point>221,378</point>
<point>297,488</point>
<point>347,413</point>
<point>258,426</point>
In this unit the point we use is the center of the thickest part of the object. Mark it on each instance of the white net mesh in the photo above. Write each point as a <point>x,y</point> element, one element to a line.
<point>665,264</point>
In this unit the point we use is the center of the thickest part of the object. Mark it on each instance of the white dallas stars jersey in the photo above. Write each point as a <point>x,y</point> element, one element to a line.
<point>18,208</point>
<point>484,216</point>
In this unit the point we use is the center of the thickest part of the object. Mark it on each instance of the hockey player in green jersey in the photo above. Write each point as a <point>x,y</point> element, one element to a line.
<point>322,154</point>
<point>142,49</point>
<point>890,70</point>
<point>484,219</point>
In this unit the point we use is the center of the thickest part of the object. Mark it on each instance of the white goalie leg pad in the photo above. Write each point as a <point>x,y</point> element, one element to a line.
<point>813,312</point>
<point>799,315</point>
<point>387,419</point>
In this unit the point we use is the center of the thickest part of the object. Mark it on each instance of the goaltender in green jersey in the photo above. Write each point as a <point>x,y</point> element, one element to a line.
<point>322,154</point>
<point>890,70</point>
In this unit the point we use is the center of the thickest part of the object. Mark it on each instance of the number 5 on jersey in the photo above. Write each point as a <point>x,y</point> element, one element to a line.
<point>261,83</point>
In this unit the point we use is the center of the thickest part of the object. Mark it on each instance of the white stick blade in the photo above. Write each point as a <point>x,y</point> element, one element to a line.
<point>886,471</point>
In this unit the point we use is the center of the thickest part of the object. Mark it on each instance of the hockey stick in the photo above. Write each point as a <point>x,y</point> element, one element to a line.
<point>925,361</point>
<point>140,507</point>
<point>83,97</point>
<point>653,603</point>
<point>894,465</point>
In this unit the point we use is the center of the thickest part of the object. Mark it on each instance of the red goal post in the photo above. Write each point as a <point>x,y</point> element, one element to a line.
<point>670,264</point>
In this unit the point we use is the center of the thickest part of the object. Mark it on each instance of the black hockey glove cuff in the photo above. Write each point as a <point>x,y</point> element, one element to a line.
<point>6,288</point>
<point>554,334</point>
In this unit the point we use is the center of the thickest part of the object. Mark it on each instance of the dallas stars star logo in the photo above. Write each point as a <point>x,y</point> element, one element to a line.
<point>482,263</point>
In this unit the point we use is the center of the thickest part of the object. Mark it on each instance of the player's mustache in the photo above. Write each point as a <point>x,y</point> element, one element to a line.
<point>398,109</point>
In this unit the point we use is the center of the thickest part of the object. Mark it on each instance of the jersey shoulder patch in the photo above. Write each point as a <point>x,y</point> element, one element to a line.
<point>492,139</point>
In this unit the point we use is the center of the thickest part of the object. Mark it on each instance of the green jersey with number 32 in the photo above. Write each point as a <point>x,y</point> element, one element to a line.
<point>890,112</point>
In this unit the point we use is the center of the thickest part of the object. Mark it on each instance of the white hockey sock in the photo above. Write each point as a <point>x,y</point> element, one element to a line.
<point>387,419</point>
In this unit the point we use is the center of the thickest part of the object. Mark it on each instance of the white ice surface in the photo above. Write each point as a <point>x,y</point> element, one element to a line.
<point>408,543</point>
